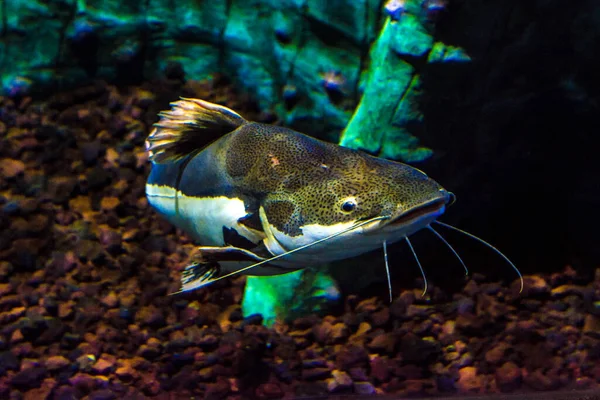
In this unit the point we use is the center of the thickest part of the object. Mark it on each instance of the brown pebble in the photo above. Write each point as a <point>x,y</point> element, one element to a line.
<point>269,391</point>
<point>16,336</point>
<point>60,188</point>
<point>206,373</point>
<point>591,326</point>
<point>532,284</point>
<point>566,290</point>
<point>339,380</point>
<point>151,316</point>
<point>80,204</point>
<point>380,368</point>
<point>131,235</point>
<point>57,362</point>
<point>127,299</point>
<point>468,380</point>
<point>83,382</point>
<point>508,377</point>
<point>126,371</point>
<point>5,288</point>
<point>421,311</point>
<point>10,168</point>
<point>368,305</point>
<point>538,381</point>
<point>322,331</point>
<point>339,331</point>
<point>381,317</point>
<point>112,157</point>
<point>496,353</point>
<point>384,342</point>
<point>65,310</point>
<point>42,393</point>
<point>110,300</point>
<point>103,366</point>
<point>109,203</point>
<point>363,328</point>
<point>350,356</point>
<point>12,315</point>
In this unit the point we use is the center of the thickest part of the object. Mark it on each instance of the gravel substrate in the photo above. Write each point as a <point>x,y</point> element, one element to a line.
<point>86,267</point>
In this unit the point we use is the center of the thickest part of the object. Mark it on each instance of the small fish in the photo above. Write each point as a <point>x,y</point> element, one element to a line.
<point>267,200</point>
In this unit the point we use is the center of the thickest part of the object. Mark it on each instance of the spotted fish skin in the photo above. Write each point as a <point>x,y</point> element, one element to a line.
<point>271,189</point>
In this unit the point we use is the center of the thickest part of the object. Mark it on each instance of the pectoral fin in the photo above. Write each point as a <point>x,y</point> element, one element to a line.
<point>210,264</point>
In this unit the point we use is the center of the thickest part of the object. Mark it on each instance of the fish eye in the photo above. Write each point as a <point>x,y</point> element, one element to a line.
<point>349,205</point>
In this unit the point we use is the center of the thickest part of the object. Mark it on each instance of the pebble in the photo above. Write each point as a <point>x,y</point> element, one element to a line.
<point>109,203</point>
<point>421,311</point>
<point>508,377</point>
<point>339,380</point>
<point>417,350</point>
<point>269,391</point>
<point>364,388</point>
<point>28,378</point>
<point>322,332</point>
<point>60,188</point>
<point>11,168</point>
<point>385,342</point>
<point>41,393</point>
<point>17,336</point>
<point>381,317</point>
<point>569,289</point>
<point>83,382</point>
<point>57,362</point>
<point>381,368</point>
<point>125,371</point>
<point>148,352</point>
<point>150,316</point>
<point>538,381</point>
<point>65,309</point>
<point>496,353</point>
<point>110,300</point>
<point>591,326</point>
<point>532,285</point>
<point>11,315</point>
<point>351,356</point>
<point>468,380</point>
<point>103,366</point>
<point>359,374</point>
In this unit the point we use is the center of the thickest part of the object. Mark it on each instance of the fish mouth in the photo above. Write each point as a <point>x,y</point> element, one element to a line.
<point>431,208</point>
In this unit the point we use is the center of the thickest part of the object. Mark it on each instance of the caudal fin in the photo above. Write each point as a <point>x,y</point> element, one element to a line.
<point>189,126</point>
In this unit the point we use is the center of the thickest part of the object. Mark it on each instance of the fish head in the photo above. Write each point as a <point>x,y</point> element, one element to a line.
<point>409,199</point>
<point>384,200</point>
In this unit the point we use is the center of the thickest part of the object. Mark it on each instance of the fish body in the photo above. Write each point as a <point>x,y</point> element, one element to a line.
<point>261,191</point>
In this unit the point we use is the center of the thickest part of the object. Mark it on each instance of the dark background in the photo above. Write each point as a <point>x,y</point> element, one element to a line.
<point>514,134</point>
<point>514,130</point>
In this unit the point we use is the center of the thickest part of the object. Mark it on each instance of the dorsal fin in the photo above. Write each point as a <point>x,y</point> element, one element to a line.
<point>187,127</point>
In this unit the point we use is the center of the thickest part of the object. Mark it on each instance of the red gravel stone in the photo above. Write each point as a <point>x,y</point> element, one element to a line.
<point>508,377</point>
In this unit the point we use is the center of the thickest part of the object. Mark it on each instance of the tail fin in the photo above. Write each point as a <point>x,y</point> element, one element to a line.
<point>190,125</point>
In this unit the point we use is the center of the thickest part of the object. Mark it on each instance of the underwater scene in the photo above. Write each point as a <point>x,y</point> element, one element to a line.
<point>299,199</point>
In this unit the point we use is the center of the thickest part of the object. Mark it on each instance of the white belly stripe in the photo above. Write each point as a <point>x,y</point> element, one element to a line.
<point>203,218</point>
